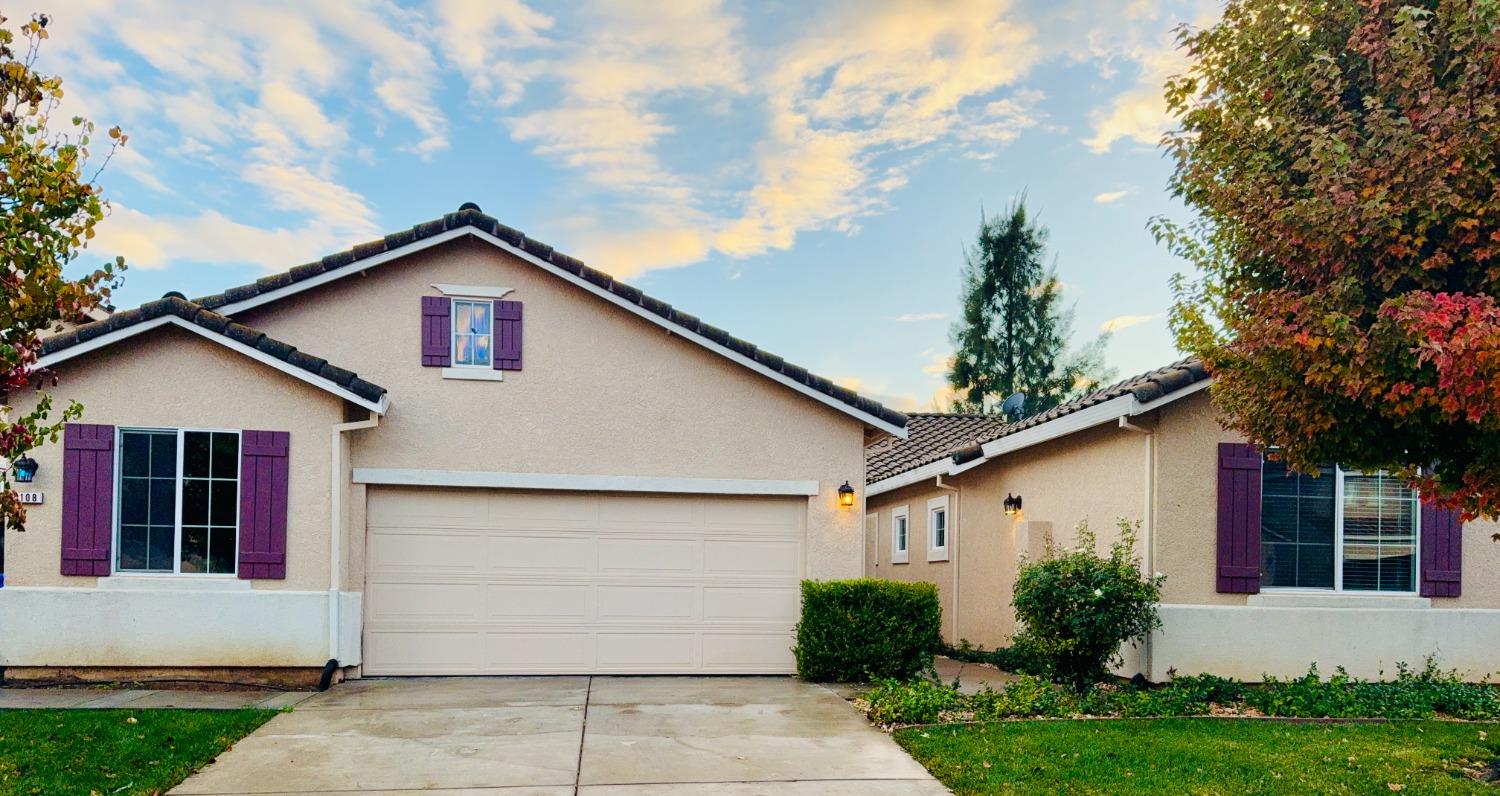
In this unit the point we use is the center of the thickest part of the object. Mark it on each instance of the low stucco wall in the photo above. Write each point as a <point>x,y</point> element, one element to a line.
<point>123,627</point>
<point>1247,642</point>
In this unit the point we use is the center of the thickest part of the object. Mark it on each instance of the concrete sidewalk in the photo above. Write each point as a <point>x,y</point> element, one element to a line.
<point>563,736</point>
<point>84,698</point>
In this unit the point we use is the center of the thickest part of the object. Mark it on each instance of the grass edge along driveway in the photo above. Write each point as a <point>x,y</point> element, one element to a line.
<point>1205,756</point>
<point>113,752</point>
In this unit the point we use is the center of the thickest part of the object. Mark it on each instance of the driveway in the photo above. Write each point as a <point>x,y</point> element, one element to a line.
<point>551,736</point>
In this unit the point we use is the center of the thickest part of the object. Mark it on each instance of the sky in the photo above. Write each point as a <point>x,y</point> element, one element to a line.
<point>803,174</point>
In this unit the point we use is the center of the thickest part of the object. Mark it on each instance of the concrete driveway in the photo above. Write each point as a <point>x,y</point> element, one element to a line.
<point>550,736</point>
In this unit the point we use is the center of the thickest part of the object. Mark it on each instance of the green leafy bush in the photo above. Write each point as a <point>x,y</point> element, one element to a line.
<point>1016,660</point>
<point>1079,607</point>
<point>1026,697</point>
<point>864,630</point>
<point>919,701</point>
<point>1412,695</point>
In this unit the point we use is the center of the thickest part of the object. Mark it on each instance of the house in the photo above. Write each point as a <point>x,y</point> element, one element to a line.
<point>454,450</point>
<point>1266,571</point>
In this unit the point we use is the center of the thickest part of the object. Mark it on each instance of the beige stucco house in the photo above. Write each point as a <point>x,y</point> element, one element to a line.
<point>450,451</point>
<point>1266,572</point>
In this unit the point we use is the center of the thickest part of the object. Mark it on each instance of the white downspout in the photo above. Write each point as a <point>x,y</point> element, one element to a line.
<point>953,524</point>
<point>336,528</point>
<point>1148,501</point>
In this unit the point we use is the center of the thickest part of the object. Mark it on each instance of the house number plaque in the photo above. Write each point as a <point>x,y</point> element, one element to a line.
<point>32,498</point>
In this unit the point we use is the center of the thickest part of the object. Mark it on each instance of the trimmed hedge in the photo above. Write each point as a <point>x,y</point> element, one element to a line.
<point>855,631</point>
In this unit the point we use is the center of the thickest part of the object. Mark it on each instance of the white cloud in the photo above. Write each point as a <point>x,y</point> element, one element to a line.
<point>912,317</point>
<point>1110,196</point>
<point>1119,322</point>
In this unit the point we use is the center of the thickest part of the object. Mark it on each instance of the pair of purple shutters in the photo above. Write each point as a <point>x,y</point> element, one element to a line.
<point>437,333</point>
<point>88,501</point>
<point>1440,557</point>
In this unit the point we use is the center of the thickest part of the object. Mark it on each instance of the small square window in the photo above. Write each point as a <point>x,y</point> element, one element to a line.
<point>473,332</point>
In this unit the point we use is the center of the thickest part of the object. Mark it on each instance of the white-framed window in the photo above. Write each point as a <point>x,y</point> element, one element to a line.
<point>938,529</point>
<point>177,501</point>
<point>473,332</point>
<point>1343,531</point>
<point>900,534</point>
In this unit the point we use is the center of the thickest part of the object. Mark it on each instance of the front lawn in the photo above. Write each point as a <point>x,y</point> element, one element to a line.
<point>112,752</point>
<point>1205,756</point>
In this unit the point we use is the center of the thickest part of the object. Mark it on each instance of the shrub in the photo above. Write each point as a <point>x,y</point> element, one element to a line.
<point>1078,607</point>
<point>1016,660</point>
<point>864,630</point>
<point>919,701</point>
<point>1412,695</point>
<point>1026,697</point>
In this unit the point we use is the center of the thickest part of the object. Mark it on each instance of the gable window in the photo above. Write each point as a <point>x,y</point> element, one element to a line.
<point>473,332</point>
<point>937,529</point>
<point>1342,531</point>
<point>900,534</point>
<point>177,501</point>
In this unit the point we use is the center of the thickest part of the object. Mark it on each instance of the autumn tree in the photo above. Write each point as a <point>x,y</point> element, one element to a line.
<point>48,210</point>
<point>1344,161</point>
<point>1014,333</point>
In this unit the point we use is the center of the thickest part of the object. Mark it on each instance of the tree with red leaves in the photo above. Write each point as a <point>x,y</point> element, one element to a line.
<point>1343,157</point>
<point>48,210</point>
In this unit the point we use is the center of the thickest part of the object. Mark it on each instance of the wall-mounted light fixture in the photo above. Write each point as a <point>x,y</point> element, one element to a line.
<point>1012,505</point>
<point>846,495</point>
<point>25,469</point>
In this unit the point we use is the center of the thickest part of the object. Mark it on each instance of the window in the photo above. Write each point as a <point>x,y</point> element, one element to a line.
<point>1343,530</point>
<point>937,529</point>
<point>178,501</point>
<point>473,332</point>
<point>900,526</point>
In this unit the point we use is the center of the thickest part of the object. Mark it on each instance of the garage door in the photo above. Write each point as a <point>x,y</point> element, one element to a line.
<point>472,581</point>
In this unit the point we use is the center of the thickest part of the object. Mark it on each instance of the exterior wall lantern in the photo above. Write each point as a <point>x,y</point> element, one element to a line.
<point>25,469</point>
<point>1012,504</point>
<point>846,495</point>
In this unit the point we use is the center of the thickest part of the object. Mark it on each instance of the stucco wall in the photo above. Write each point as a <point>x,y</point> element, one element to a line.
<point>171,378</point>
<point>602,392</point>
<point>1096,476</point>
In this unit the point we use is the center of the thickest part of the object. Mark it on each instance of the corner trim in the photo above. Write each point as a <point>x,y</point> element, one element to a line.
<point>583,483</point>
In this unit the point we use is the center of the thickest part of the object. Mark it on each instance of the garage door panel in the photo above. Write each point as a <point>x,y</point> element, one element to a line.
<point>573,583</point>
<point>640,556</point>
<point>751,604</point>
<point>538,601</point>
<point>768,559</point>
<point>442,508</point>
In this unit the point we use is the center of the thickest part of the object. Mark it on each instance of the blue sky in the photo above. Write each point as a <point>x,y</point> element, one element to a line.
<point>804,175</point>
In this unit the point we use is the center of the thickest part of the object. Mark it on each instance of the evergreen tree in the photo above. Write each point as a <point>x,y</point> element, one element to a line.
<point>1014,333</point>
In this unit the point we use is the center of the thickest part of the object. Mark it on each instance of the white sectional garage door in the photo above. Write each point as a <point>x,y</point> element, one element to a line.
<point>475,581</point>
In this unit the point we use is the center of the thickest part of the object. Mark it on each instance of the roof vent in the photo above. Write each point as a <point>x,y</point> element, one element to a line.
<point>469,206</point>
<point>173,294</point>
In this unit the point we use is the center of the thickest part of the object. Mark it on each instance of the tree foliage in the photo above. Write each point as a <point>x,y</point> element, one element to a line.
<point>48,210</point>
<point>1344,160</point>
<point>1014,333</point>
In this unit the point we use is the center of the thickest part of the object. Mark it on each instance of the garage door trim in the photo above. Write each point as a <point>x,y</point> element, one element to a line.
<point>584,483</point>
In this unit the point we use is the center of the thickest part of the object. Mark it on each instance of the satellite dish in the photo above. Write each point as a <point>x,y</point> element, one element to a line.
<point>1015,406</point>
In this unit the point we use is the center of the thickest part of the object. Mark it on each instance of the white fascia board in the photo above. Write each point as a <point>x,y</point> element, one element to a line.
<point>943,466</point>
<point>734,356</point>
<point>583,483</point>
<point>379,407</point>
<point>1088,417</point>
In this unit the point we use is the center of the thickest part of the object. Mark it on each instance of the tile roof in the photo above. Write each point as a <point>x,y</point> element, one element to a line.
<point>214,322</point>
<point>931,437</point>
<point>469,215</point>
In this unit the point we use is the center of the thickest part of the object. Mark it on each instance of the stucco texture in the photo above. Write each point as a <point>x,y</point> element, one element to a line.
<point>171,378</point>
<point>602,392</point>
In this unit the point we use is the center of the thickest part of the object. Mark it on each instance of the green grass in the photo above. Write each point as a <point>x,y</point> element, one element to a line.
<point>67,752</point>
<point>1205,756</point>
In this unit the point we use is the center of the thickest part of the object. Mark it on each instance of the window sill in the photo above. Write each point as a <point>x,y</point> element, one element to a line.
<point>900,561</point>
<point>473,374</point>
<point>169,582</point>
<point>937,555</point>
<point>1320,599</point>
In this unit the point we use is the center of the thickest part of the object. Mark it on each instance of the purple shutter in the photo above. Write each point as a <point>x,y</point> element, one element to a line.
<point>437,332</point>
<point>88,504</point>
<point>507,335</point>
<point>1239,519</point>
<point>1442,551</point>
<point>263,496</point>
